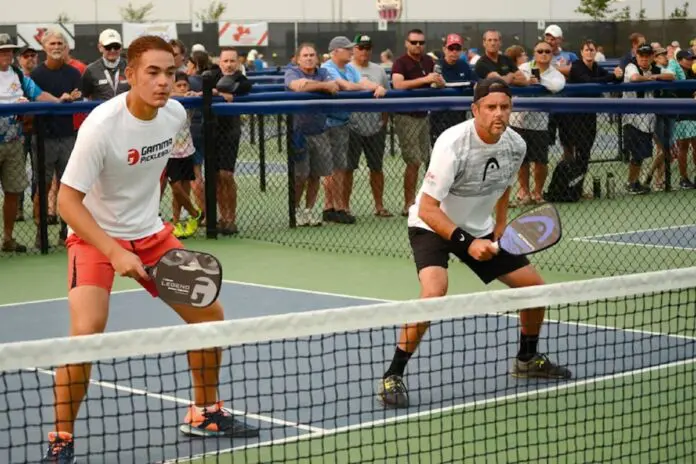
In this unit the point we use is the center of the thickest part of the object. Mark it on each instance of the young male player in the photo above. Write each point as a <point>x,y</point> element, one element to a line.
<point>472,167</point>
<point>109,198</point>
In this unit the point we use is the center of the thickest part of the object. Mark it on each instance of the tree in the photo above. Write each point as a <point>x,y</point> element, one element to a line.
<point>63,18</point>
<point>623,15</point>
<point>642,16</point>
<point>134,14</point>
<point>213,12</point>
<point>680,13</point>
<point>596,9</point>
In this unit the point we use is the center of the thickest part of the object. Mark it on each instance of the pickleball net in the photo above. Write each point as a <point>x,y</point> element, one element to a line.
<point>309,379</point>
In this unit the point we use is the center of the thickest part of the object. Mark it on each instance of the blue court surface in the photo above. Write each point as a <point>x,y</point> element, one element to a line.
<point>674,237</point>
<point>297,386</point>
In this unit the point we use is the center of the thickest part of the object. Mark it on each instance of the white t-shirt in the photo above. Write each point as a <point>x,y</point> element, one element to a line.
<point>117,162</point>
<point>468,176</point>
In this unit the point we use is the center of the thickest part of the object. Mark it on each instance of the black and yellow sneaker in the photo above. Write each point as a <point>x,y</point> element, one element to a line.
<point>539,367</point>
<point>392,392</point>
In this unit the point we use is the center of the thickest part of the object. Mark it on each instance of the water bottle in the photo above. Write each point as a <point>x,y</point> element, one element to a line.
<point>437,69</point>
<point>611,186</point>
<point>596,187</point>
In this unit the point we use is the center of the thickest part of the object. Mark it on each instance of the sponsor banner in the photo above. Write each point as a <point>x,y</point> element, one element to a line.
<point>30,34</point>
<point>132,31</point>
<point>242,35</point>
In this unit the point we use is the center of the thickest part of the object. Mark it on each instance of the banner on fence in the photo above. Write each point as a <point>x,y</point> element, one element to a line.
<point>242,35</point>
<point>30,34</point>
<point>132,31</point>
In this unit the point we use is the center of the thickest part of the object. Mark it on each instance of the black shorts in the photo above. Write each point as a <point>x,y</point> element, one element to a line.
<point>537,145</point>
<point>429,249</point>
<point>179,169</point>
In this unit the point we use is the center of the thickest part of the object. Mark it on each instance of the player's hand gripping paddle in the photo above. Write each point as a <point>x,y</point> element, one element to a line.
<point>532,231</point>
<point>187,277</point>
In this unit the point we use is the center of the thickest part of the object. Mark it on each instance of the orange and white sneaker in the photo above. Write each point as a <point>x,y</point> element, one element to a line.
<point>61,449</point>
<point>215,421</point>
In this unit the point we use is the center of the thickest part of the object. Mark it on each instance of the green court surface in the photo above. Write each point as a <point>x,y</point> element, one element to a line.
<point>593,420</point>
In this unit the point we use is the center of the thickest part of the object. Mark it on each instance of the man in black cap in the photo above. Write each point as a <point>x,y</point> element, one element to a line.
<point>472,167</point>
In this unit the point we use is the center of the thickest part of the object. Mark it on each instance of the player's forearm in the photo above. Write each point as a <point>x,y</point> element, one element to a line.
<point>501,207</point>
<point>80,220</point>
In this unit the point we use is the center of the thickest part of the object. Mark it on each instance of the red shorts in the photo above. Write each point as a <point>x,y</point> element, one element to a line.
<point>88,266</point>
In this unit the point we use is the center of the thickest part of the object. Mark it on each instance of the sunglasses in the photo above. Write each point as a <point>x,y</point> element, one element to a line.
<point>544,51</point>
<point>455,48</point>
<point>417,42</point>
<point>112,47</point>
<point>364,47</point>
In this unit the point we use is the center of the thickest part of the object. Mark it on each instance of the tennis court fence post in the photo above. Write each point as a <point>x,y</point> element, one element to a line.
<point>210,165</point>
<point>290,150</point>
<point>40,177</point>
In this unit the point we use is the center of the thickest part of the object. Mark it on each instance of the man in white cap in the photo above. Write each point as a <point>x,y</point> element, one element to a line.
<point>106,77</point>
<point>561,59</point>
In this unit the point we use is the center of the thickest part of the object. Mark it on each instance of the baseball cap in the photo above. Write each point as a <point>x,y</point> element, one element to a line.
<point>364,40</point>
<point>644,50</point>
<point>684,54</point>
<point>340,42</point>
<point>27,48</point>
<point>6,43</point>
<point>110,37</point>
<point>453,39</point>
<point>198,48</point>
<point>489,86</point>
<point>554,31</point>
<point>660,51</point>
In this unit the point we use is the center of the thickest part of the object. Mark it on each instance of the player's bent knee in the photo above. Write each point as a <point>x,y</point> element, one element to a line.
<point>89,309</point>
<point>433,280</point>
<point>194,315</point>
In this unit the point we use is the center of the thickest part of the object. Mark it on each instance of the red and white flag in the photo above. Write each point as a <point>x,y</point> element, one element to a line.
<point>242,35</point>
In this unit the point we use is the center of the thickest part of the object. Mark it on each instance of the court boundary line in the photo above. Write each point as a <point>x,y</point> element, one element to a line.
<point>382,300</point>
<point>436,411</point>
<point>61,298</point>
<point>645,245</point>
<point>652,229</point>
<point>174,399</point>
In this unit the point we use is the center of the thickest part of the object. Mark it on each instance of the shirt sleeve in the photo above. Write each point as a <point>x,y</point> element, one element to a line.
<point>87,158</point>
<point>630,71</point>
<point>332,71</point>
<point>398,68</point>
<point>31,89</point>
<point>440,175</point>
<point>290,75</point>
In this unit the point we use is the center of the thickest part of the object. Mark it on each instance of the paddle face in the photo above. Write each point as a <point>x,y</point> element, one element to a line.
<point>187,277</point>
<point>532,231</point>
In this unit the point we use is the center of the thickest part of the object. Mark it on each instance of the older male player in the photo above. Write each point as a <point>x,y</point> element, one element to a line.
<point>109,198</point>
<point>472,167</point>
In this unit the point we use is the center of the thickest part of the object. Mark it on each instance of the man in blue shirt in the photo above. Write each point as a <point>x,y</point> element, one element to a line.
<point>15,87</point>
<point>312,146</point>
<point>348,79</point>
<point>454,70</point>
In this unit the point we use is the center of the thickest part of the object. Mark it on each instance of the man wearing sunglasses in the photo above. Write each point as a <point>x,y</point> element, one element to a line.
<point>106,77</point>
<point>413,70</point>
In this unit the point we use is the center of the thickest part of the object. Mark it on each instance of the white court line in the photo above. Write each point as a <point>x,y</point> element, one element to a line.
<point>431,412</point>
<point>646,245</point>
<point>62,298</point>
<point>174,399</point>
<point>654,229</point>
<point>381,300</point>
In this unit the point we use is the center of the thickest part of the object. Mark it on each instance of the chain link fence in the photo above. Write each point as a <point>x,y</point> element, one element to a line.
<point>624,209</point>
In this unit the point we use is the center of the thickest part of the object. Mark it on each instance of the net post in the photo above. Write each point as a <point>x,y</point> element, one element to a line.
<point>40,130</point>
<point>290,150</point>
<point>209,125</point>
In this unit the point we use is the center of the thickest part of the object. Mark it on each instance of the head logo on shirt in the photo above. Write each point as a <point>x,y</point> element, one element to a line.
<point>492,163</point>
<point>150,152</point>
<point>133,156</point>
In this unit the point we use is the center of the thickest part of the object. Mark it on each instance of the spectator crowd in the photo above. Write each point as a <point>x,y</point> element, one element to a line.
<point>328,147</point>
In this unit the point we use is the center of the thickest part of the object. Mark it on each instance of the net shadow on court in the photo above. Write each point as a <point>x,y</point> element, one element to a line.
<point>322,385</point>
